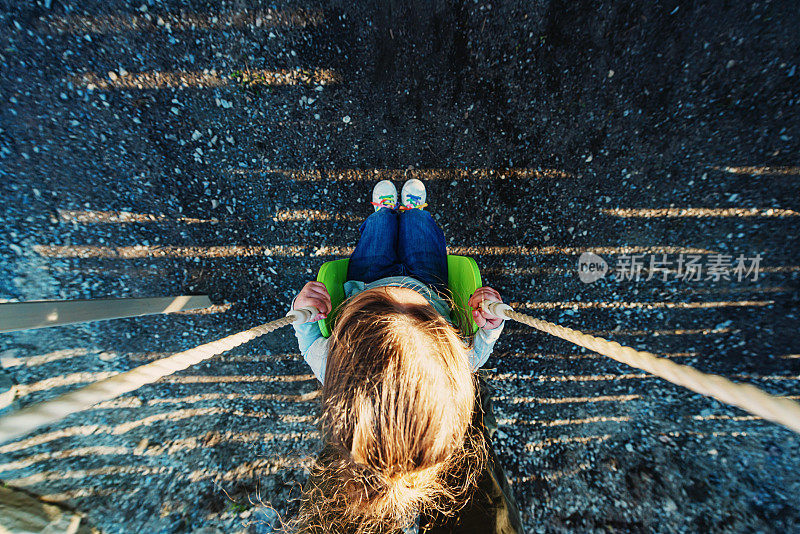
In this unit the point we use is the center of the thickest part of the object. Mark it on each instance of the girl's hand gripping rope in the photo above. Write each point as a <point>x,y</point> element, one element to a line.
<point>314,301</point>
<point>481,315</point>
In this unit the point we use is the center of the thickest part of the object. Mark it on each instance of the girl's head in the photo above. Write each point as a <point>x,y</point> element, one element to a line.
<point>398,402</point>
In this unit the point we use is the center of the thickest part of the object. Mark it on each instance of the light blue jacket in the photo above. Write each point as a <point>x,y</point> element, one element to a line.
<point>314,347</point>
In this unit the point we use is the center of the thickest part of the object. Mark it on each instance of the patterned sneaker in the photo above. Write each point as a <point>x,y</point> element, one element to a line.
<point>413,195</point>
<point>384,195</point>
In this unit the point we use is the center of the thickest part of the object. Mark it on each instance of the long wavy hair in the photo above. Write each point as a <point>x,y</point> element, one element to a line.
<point>398,404</point>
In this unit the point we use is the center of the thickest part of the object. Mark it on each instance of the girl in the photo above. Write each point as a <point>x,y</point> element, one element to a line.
<point>405,420</point>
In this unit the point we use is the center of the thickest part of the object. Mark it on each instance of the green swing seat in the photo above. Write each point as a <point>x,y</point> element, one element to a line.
<point>463,278</point>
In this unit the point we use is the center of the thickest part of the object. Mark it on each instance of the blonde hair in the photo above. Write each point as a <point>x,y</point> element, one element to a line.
<point>398,404</point>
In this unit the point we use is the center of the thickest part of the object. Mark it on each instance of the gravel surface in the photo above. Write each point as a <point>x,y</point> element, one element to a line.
<point>228,149</point>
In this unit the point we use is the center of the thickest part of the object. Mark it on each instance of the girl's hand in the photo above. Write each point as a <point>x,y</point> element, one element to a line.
<point>314,294</point>
<point>484,320</point>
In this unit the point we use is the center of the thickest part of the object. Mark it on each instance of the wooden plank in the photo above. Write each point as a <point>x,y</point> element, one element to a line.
<point>44,313</point>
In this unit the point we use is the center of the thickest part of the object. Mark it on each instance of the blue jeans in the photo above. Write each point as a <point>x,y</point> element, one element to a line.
<point>409,243</point>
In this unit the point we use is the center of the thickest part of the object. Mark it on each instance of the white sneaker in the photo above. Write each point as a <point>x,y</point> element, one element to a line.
<point>413,195</point>
<point>384,195</point>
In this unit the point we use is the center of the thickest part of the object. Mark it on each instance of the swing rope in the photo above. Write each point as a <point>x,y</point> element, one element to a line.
<point>31,417</point>
<point>778,409</point>
<point>745,396</point>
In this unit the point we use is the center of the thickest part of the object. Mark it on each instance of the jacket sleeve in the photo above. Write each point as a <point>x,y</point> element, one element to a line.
<point>313,347</point>
<point>484,343</point>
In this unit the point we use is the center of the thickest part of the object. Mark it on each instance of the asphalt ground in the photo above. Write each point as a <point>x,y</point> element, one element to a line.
<point>228,149</point>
